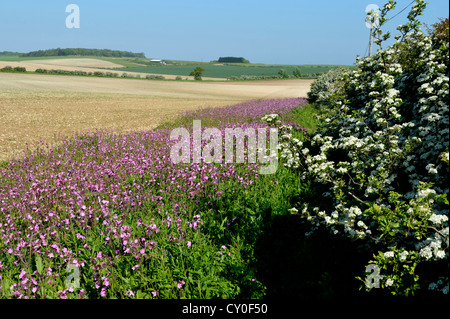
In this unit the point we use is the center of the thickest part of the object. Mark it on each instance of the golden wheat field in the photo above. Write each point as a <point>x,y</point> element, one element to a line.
<point>52,107</point>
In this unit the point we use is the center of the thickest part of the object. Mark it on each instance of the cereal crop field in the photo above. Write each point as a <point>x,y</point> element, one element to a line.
<point>51,107</point>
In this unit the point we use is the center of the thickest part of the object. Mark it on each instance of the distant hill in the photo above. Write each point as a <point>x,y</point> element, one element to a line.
<point>83,52</point>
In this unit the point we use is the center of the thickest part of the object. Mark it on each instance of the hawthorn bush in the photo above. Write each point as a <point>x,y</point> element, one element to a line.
<point>382,158</point>
<point>325,86</point>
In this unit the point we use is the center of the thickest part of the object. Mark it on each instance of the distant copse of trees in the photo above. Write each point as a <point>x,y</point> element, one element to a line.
<point>84,52</point>
<point>231,59</point>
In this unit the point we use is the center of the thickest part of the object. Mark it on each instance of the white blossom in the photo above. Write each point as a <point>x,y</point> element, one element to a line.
<point>389,282</point>
<point>391,138</point>
<point>438,219</point>
<point>403,255</point>
<point>388,254</point>
<point>426,253</point>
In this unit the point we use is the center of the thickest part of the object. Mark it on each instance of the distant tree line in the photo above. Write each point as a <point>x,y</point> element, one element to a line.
<point>282,74</point>
<point>231,59</point>
<point>19,69</point>
<point>9,53</point>
<point>83,52</point>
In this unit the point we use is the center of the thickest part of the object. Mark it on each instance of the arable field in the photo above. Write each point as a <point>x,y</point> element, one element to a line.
<point>51,107</point>
<point>91,65</point>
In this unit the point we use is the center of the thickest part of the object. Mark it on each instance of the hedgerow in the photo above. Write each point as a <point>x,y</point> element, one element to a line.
<point>11,69</point>
<point>382,157</point>
<point>325,86</point>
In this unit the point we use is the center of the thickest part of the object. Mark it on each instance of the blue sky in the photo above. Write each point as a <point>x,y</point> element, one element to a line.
<point>276,32</point>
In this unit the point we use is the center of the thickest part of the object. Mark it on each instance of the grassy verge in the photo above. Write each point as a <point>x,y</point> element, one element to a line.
<point>135,225</point>
<point>307,117</point>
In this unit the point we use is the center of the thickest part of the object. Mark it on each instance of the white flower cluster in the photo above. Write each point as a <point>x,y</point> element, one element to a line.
<point>433,247</point>
<point>291,148</point>
<point>271,119</point>
<point>326,85</point>
<point>385,142</point>
<point>438,219</point>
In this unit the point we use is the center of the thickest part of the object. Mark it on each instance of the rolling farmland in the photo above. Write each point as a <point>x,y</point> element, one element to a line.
<point>143,66</point>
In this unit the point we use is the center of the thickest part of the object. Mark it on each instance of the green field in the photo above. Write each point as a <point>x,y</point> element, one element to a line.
<point>226,71</point>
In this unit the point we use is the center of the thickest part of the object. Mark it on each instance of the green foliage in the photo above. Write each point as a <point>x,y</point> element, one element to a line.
<point>283,74</point>
<point>63,72</point>
<point>19,69</point>
<point>232,60</point>
<point>81,73</point>
<point>15,69</point>
<point>309,117</point>
<point>155,77</point>
<point>197,73</point>
<point>439,31</point>
<point>326,86</point>
<point>382,157</point>
<point>297,73</point>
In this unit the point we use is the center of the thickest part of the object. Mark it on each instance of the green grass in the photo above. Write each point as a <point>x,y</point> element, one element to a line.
<point>9,58</point>
<point>308,117</point>
<point>3,164</point>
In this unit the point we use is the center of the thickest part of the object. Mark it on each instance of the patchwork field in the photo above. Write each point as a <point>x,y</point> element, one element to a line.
<point>92,65</point>
<point>143,67</point>
<point>47,107</point>
<point>89,63</point>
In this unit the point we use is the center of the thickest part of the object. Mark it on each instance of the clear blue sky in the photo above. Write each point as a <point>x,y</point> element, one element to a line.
<point>278,32</point>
